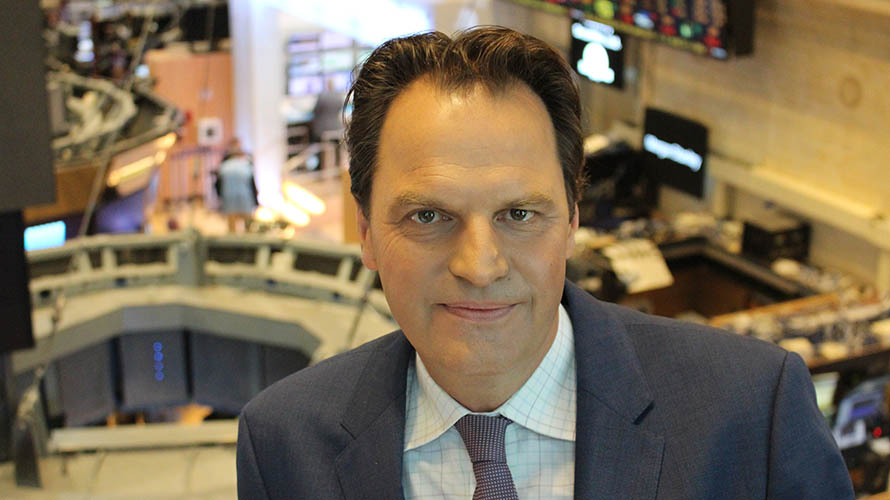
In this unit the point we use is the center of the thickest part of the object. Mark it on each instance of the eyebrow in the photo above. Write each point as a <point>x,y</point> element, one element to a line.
<point>412,198</point>
<point>418,199</point>
<point>533,199</point>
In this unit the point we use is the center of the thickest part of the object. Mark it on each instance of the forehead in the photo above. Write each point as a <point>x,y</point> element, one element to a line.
<point>437,134</point>
<point>425,115</point>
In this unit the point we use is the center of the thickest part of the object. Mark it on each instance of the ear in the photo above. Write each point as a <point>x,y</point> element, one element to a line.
<point>573,227</point>
<point>364,235</point>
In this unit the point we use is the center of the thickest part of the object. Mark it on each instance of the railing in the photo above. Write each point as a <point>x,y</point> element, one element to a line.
<point>315,270</point>
<point>189,175</point>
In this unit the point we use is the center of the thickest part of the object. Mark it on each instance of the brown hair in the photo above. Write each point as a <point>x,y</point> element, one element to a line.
<point>492,56</point>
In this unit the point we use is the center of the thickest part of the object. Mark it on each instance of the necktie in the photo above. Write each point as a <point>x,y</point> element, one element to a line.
<point>484,439</point>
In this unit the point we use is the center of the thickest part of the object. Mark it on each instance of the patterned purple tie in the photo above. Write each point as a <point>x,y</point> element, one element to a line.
<point>484,439</point>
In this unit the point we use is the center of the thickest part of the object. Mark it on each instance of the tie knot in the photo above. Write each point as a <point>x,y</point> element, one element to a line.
<point>484,437</point>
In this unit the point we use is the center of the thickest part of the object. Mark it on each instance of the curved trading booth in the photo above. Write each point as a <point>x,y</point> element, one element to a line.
<point>136,323</point>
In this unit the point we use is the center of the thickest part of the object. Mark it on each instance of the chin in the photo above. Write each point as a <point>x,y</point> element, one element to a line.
<point>477,364</point>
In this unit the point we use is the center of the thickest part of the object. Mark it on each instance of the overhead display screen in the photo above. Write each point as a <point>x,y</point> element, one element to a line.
<point>597,53</point>
<point>716,28</point>
<point>675,150</point>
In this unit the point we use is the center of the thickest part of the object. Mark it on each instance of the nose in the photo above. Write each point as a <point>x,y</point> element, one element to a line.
<point>478,257</point>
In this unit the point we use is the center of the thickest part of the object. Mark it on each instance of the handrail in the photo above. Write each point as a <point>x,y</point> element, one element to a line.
<point>318,270</point>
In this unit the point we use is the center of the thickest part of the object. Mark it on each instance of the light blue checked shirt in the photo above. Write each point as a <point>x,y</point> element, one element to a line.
<point>540,443</point>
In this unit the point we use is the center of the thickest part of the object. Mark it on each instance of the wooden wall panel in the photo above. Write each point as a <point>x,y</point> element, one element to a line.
<point>200,84</point>
<point>813,101</point>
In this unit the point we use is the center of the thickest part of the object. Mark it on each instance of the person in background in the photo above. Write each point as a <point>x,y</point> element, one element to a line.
<point>235,186</point>
<point>506,381</point>
<point>326,127</point>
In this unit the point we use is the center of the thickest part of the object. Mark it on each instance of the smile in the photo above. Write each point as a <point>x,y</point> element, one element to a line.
<point>477,311</point>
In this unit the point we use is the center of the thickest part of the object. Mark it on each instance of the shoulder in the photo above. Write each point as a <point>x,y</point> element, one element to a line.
<point>703,362</point>
<point>667,344</point>
<point>681,342</point>
<point>680,361</point>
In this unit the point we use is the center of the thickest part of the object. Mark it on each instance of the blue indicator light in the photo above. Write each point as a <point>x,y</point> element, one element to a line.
<point>159,376</point>
<point>158,347</point>
<point>159,366</point>
<point>159,356</point>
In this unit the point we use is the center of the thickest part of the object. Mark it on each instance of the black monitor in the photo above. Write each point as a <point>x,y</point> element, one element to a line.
<point>153,370</point>
<point>279,362</point>
<point>597,52</point>
<point>86,386</point>
<point>226,372</point>
<point>675,150</point>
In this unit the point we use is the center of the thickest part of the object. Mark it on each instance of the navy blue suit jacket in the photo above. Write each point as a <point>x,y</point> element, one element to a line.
<point>666,410</point>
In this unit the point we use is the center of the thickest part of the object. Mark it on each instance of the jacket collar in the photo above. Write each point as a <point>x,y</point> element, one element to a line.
<point>615,457</point>
<point>371,465</point>
<point>608,368</point>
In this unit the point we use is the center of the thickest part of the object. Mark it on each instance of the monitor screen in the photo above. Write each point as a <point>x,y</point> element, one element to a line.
<point>675,151</point>
<point>597,52</point>
<point>51,234</point>
<point>86,385</point>
<point>153,370</point>
<point>279,362</point>
<point>226,372</point>
<point>716,28</point>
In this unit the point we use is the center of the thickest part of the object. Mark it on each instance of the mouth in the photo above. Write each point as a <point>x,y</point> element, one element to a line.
<point>478,311</point>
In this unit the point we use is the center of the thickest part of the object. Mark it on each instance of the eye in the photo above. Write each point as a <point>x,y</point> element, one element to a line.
<point>426,216</point>
<point>519,214</point>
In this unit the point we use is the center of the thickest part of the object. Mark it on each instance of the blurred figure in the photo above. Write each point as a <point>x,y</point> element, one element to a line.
<point>327,124</point>
<point>235,186</point>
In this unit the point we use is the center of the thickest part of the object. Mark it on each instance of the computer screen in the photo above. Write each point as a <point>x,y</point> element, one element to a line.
<point>597,52</point>
<point>279,362</point>
<point>153,370</point>
<point>675,150</point>
<point>51,234</point>
<point>86,384</point>
<point>226,372</point>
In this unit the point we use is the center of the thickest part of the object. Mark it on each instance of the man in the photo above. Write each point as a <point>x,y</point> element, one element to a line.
<point>465,161</point>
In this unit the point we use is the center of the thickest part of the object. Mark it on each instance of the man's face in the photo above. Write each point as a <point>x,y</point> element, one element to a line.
<point>469,228</point>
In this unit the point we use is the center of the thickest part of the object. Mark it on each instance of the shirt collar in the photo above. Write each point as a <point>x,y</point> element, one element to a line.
<point>545,404</point>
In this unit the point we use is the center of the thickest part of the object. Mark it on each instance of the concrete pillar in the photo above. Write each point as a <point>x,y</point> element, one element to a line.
<point>258,70</point>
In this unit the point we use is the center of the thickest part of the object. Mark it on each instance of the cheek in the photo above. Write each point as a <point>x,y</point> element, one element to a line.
<point>545,261</point>
<point>407,271</point>
<point>395,259</point>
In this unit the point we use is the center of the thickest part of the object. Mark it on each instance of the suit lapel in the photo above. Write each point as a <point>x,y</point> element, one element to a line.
<point>616,455</point>
<point>371,465</point>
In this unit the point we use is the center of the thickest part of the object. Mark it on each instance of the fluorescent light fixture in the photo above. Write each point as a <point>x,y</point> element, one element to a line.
<point>265,214</point>
<point>369,22</point>
<point>134,169</point>
<point>303,199</point>
<point>294,215</point>
<point>167,141</point>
